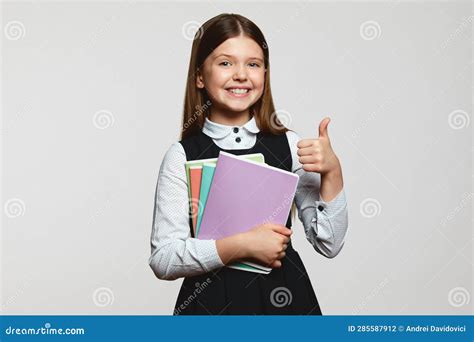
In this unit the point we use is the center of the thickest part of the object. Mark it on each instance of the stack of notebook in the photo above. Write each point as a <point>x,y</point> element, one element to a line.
<point>232,194</point>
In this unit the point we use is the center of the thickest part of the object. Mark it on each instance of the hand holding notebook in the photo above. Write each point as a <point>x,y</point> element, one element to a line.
<point>266,243</point>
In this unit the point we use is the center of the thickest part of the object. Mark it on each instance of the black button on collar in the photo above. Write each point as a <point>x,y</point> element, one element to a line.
<point>238,139</point>
<point>320,208</point>
<point>236,129</point>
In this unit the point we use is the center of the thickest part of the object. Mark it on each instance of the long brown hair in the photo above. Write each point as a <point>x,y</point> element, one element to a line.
<point>196,101</point>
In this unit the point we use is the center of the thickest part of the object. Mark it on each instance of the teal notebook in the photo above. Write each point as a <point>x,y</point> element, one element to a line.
<point>206,180</point>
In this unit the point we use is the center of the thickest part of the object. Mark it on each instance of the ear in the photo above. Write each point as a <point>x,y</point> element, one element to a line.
<point>199,79</point>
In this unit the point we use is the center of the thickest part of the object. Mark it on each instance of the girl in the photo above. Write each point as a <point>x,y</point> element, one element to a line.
<point>228,106</point>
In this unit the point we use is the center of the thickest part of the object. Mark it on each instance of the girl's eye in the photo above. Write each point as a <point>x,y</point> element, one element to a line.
<point>224,63</point>
<point>254,65</point>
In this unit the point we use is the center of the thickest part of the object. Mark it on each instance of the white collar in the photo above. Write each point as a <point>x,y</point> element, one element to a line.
<point>219,131</point>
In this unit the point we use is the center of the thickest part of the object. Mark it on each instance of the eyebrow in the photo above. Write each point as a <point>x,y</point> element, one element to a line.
<point>230,56</point>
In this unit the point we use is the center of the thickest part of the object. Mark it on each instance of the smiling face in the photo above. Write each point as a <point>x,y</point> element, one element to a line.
<point>233,76</point>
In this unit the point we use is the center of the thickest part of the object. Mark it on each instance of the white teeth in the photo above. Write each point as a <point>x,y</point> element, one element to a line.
<point>238,91</point>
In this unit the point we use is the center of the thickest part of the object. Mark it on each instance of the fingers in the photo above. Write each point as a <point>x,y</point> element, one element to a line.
<point>307,151</point>
<point>305,143</point>
<point>281,229</point>
<point>276,264</point>
<point>285,246</point>
<point>308,159</point>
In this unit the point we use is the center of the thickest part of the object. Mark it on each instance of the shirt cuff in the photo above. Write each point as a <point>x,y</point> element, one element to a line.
<point>211,258</point>
<point>332,207</point>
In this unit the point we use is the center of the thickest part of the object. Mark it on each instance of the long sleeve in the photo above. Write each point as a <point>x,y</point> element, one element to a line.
<point>174,253</point>
<point>325,223</point>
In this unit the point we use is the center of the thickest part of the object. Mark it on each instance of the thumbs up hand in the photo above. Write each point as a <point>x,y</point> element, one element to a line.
<point>316,155</point>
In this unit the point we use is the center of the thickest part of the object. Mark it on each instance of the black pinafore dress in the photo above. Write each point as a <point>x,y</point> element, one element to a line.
<point>284,291</point>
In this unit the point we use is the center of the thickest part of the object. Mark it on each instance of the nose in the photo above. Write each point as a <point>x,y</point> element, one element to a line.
<point>240,74</point>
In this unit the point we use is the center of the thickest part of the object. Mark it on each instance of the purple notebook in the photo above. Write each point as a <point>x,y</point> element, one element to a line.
<point>244,194</point>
